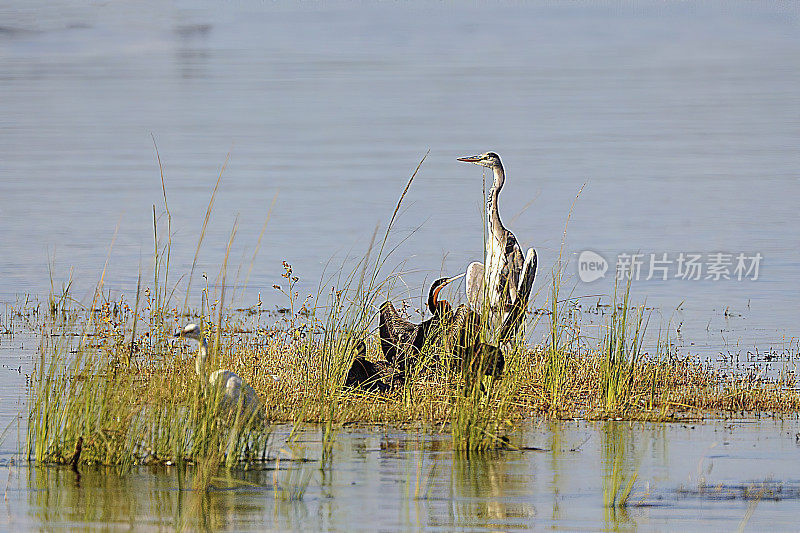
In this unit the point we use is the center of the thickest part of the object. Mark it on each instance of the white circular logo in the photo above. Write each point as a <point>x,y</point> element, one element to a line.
<point>591,266</point>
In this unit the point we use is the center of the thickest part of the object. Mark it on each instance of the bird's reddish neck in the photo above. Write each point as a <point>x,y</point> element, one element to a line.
<point>434,299</point>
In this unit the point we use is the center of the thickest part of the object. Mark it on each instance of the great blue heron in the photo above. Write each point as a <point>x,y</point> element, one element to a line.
<point>235,390</point>
<point>401,339</point>
<point>497,281</point>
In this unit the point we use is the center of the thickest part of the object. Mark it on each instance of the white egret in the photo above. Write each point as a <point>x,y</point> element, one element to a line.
<point>235,390</point>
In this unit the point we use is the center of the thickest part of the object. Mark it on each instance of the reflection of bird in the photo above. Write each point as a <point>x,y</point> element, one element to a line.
<point>401,339</point>
<point>504,261</point>
<point>462,335</point>
<point>363,373</point>
<point>235,390</point>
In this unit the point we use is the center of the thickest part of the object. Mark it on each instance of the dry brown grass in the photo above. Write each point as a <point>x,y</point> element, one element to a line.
<point>661,388</point>
<point>260,347</point>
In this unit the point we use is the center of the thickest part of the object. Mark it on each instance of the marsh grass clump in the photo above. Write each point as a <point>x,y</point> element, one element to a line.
<point>621,349</point>
<point>108,375</point>
<point>127,415</point>
<point>562,344</point>
<point>134,398</point>
<point>139,401</point>
<point>482,403</point>
<point>481,409</point>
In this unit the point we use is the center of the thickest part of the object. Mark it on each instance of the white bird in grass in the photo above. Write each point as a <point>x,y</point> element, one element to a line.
<point>235,390</point>
<point>499,282</point>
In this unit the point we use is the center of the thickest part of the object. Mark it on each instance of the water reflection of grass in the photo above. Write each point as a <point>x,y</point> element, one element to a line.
<point>619,473</point>
<point>481,486</point>
<point>291,482</point>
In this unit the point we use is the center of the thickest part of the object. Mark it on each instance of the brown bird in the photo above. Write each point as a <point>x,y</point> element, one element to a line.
<point>401,340</point>
<point>462,335</point>
<point>365,374</point>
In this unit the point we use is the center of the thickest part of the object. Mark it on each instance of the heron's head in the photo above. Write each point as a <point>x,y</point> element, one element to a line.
<point>189,331</point>
<point>488,160</point>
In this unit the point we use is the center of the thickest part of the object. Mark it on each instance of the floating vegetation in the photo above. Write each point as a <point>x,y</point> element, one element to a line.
<point>763,490</point>
<point>133,396</point>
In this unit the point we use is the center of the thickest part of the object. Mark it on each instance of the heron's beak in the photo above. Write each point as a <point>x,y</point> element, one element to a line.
<point>470,159</point>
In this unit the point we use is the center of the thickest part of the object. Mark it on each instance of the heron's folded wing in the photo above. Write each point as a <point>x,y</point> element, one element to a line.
<point>474,285</point>
<point>528,275</point>
<point>517,313</point>
<point>515,263</point>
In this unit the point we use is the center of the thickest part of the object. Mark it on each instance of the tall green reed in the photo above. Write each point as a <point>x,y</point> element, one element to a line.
<point>620,351</point>
<point>561,341</point>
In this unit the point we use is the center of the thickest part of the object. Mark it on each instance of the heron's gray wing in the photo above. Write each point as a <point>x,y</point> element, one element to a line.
<point>515,262</point>
<point>474,285</point>
<point>517,312</point>
<point>528,275</point>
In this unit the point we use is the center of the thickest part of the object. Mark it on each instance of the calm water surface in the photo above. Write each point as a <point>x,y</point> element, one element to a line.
<point>682,121</point>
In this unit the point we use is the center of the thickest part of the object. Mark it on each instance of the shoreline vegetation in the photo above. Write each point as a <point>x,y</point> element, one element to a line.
<point>111,386</point>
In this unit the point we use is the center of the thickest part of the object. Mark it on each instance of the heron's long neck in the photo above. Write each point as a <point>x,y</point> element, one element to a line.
<point>200,361</point>
<point>492,211</point>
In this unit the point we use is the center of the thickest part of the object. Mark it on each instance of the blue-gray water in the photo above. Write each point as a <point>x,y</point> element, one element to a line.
<point>682,120</point>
